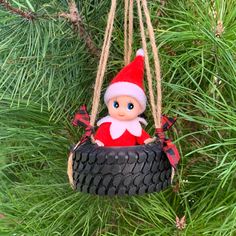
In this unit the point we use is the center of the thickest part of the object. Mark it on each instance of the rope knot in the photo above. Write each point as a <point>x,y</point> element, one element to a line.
<point>160,134</point>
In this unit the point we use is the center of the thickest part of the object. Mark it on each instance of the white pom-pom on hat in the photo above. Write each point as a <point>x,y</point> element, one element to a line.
<point>140,52</point>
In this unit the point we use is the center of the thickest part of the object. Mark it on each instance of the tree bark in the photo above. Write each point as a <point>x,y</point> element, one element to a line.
<point>78,26</point>
<point>10,8</point>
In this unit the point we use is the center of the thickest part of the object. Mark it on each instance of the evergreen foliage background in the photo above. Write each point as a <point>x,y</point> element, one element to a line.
<point>46,72</point>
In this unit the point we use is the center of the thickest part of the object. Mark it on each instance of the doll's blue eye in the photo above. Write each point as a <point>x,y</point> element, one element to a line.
<point>130,106</point>
<point>115,104</point>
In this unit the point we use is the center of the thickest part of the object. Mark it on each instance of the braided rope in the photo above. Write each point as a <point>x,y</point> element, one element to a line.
<point>126,11</point>
<point>128,30</point>
<point>103,62</point>
<point>156,63</point>
<point>148,70</point>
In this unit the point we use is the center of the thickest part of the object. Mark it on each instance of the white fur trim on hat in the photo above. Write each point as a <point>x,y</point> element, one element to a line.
<point>125,88</point>
<point>140,52</point>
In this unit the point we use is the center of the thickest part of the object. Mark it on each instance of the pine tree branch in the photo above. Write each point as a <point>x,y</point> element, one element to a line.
<point>10,8</point>
<point>78,26</point>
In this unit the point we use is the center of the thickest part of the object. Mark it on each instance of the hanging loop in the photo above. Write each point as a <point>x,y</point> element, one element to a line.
<point>147,65</point>
<point>103,62</point>
<point>156,107</point>
<point>156,63</point>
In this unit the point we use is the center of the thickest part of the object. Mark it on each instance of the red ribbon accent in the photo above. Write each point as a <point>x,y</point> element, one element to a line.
<point>169,148</point>
<point>82,118</point>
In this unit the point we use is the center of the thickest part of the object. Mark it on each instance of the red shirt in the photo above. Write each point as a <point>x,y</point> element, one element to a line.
<point>126,139</point>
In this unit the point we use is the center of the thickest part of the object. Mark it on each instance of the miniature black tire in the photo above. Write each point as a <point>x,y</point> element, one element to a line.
<point>133,170</point>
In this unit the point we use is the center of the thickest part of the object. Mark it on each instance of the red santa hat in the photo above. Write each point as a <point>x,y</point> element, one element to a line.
<point>129,81</point>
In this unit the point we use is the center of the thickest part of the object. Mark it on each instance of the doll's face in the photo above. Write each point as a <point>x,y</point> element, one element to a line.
<point>124,108</point>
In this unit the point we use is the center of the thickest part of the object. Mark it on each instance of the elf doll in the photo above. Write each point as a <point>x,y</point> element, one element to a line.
<point>126,100</point>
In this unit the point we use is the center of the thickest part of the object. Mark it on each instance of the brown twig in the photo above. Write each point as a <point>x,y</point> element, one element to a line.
<point>219,29</point>
<point>176,187</point>
<point>78,26</point>
<point>162,4</point>
<point>218,26</point>
<point>169,50</point>
<point>26,15</point>
<point>160,12</point>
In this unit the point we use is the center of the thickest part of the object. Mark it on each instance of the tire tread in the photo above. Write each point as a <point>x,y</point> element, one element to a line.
<point>120,171</point>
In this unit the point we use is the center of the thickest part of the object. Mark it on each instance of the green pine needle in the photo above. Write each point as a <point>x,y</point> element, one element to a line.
<point>46,73</point>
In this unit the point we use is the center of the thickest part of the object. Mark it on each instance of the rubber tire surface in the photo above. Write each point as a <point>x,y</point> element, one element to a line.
<point>112,171</point>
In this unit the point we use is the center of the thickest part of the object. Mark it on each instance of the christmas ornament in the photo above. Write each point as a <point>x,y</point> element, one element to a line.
<point>120,157</point>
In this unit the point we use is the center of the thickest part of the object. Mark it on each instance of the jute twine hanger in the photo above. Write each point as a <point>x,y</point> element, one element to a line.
<point>156,106</point>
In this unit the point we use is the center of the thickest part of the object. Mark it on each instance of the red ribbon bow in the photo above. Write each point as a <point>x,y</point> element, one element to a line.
<point>169,148</point>
<point>82,118</point>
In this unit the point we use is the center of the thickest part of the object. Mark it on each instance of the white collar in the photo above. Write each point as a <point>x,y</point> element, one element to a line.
<point>118,127</point>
